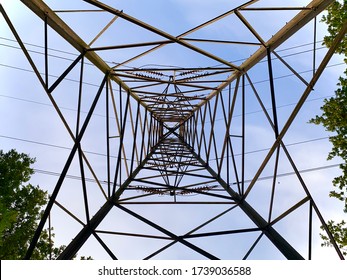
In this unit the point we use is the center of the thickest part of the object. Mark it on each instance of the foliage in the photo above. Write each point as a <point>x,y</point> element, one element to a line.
<point>335,18</point>
<point>339,232</point>
<point>334,119</point>
<point>21,207</point>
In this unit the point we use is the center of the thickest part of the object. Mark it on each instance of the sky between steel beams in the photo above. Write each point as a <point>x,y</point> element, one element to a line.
<point>174,53</point>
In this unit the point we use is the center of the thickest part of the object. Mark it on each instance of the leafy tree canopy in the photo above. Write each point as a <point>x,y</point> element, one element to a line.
<point>20,209</point>
<point>334,119</point>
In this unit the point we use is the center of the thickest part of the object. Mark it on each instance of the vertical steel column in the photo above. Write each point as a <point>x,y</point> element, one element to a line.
<point>314,45</point>
<point>243,160</point>
<point>108,160</point>
<point>228,137</point>
<point>50,236</point>
<point>143,148</point>
<point>310,231</point>
<point>80,153</point>
<point>135,134</point>
<point>118,172</point>
<point>46,50</point>
<point>272,92</point>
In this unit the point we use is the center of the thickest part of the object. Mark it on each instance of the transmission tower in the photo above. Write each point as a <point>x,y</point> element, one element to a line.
<point>178,172</point>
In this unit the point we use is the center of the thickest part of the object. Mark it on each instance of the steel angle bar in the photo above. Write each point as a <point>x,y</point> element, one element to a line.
<point>313,204</point>
<point>133,234</point>
<point>314,46</point>
<point>79,11</point>
<point>212,134</point>
<point>294,25</point>
<point>80,158</point>
<point>118,119</point>
<point>74,246</point>
<point>57,24</point>
<point>155,30</point>
<point>296,171</point>
<point>106,248</point>
<point>275,128</point>
<point>272,92</point>
<point>36,71</point>
<point>275,9</point>
<point>118,172</point>
<point>250,27</point>
<point>108,153</point>
<point>188,173</point>
<point>211,220</point>
<point>134,150</point>
<point>217,18</point>
<point>69,213</point>
<point>65,73</point>
<point>84,185</point>
<point>72,249</point>
<point>293,208</point>
<point>103,31</point>
<point>134,197</point>
<point>160,250</point>
<point>178,203</point>
<point>228,146</point>
<point>282,245</point>
<point>128,46</point>
<point>216,233</point>
<point>300,103</point>
<point>310,232</point>
<point>290,68</point>
<point>192,231</point>
<point>221,41</point>
<point>137,57</point>
<point>243,136</point>
<point>64,172</point>
<point>46,19</point>
<point>150,183</point>
<point>253,246</point>
<point>171,69</point>
<point>143,93</point>
<point>202,134</point>
<point>46,51</point>
<point>22,46</point>
<point>168,233</point>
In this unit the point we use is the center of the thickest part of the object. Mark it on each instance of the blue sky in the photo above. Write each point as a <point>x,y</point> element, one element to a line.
<point>30,124</point>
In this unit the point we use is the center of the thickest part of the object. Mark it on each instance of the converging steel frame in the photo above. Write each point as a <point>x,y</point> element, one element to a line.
<point>170,150</point>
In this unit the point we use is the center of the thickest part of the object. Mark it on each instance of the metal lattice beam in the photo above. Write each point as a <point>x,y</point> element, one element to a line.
<point>172,135</point>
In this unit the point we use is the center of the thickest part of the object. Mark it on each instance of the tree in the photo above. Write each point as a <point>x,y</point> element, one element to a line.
<point>20,209</point>
<point>334,119</point>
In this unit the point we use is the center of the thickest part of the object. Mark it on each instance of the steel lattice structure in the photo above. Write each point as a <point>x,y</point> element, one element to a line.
<point>177,138</point>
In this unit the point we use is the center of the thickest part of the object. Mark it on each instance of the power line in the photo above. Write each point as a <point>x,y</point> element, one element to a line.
<point>99,154</point>
<point>285,174</point>
<point>50,75</point>
<point>50,105</point>
<point>73,177</point>
<point>72,80</point>
<point>74,54</point>
<point>70,109</point>
<point>49,145</point>
<point>104,155</point>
